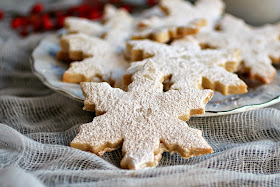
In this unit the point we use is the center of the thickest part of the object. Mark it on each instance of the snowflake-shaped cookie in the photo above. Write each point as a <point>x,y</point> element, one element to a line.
<point>145,120</point>
<point>260,45</point>
<point>101,60</point>
<point>182,18</point>
<point>194,68</point>
<point>99,51</point>
<point>117,28</point>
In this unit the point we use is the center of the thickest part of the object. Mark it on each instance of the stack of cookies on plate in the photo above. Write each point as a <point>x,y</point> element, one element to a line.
<point>145,75</point>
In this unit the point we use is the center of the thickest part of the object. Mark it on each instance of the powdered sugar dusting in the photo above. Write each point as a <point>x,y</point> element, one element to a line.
<point>117,22</point>
<point>260,46</point>
<point>180,15</point>
<point>188,68</point>
<point>103,60</point>
<point>145,119</point>
<point>82,25</point>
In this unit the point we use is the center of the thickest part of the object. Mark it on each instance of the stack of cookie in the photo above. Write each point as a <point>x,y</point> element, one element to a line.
<point>144,76</point>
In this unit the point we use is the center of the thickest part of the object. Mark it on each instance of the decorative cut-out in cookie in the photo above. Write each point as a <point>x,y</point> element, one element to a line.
<point>101,60</point>
<point>145,120</point>
<point>182,18</point>
<point>188,68</point>
<point>260,46</point>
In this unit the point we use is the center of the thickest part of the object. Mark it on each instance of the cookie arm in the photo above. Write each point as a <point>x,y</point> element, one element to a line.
<point>227,58</point>
<point>81,25</point>
<point>83,71</point>
<point>101,135</point>
<point>274,51</point>
<point>215,78</point>
<point>80,46</point>
<point>188,142</point>
<point>189,102</point>
<point>139,151</point>
<point>137,50</point>
<point>213,10</point>
<point>96,92</point>
<point>259,67</point>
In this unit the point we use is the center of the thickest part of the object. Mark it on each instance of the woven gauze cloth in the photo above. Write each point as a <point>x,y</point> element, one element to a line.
<point>37,126</point>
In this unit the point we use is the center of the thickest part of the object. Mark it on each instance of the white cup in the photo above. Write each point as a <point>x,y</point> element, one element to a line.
<point>255,12</point>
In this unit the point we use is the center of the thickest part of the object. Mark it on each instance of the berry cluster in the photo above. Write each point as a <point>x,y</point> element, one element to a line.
<point>39,20</point>
<point>1,14</point>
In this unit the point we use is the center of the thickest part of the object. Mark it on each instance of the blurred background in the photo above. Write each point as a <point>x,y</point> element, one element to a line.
<point>255,12</point>
<point>24,17</point>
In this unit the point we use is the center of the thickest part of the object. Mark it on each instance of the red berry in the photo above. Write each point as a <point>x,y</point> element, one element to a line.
<point>83,16</point>
<point>84,8</point>
<point>95,15</point>
<point>48,25</point>
<point>16,22</point>
<point>59,14</point>
<point>46,17</point>
<point>1,14</point>
<point>34,18</point>
<point>36,22</point>
<point>60,17</point>
<point>36,25</point>
<point>37,8</point>
<point>24,21</point>
<point>47,22</point>
<point>60,22</point>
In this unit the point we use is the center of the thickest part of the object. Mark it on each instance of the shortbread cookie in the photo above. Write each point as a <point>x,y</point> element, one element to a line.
<point>145,120</point>
<point>118,25</point>
<point>227,58</point>
<point>182,18</point>
<point>188,68</point>
<point>117,28</point>
<point>101,61</point>
<point>260,46</point>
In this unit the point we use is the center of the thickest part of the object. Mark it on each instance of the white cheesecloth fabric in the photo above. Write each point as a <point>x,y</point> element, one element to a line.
<point>37,126</point>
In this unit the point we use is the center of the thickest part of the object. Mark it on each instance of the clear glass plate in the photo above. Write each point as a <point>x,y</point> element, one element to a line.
<point>50,71</point>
